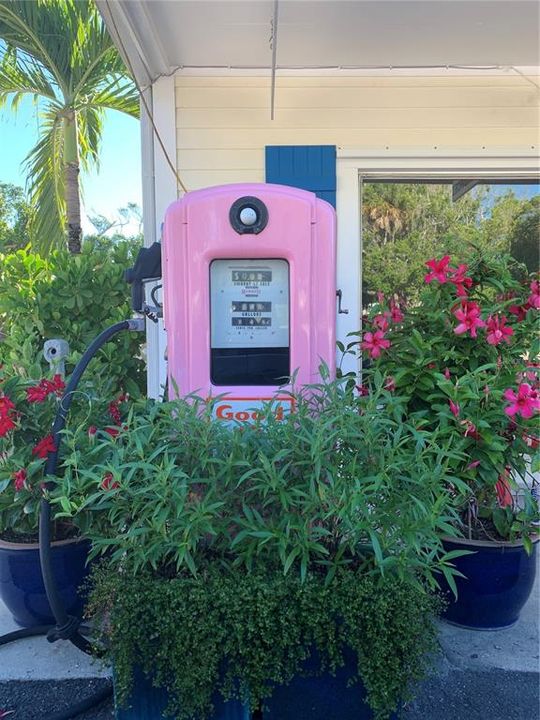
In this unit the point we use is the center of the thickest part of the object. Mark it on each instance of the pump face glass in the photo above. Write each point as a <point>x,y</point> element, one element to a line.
<point>249,315</point>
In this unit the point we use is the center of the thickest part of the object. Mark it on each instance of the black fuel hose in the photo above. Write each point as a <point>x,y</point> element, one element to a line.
<point>67,626</point>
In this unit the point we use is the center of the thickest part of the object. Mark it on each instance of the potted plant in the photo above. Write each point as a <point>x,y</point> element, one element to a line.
<point>463,360</point>
<point>27,409</point>
<point>243,561</point>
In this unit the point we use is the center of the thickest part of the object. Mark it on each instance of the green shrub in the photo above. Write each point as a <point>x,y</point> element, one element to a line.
<point>73,297</point>
<point>241,633</point>
<point>311,492</point>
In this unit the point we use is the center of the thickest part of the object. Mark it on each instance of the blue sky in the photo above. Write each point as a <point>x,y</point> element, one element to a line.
<point>118,180</point>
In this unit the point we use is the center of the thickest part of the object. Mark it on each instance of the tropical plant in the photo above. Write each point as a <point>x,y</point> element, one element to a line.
<point>59,52</point>
<point>73,297</point>
<point>27,411</point>
<point>403,223</point>
<point>314,535</point>
<point>309,492</point>
<point>463,359</point>
<point>15,214</point>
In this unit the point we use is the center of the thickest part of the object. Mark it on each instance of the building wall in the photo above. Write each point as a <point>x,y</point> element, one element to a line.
<point>223,122</point>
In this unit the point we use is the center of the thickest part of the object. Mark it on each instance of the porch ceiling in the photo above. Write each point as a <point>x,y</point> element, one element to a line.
<point>162,35</point>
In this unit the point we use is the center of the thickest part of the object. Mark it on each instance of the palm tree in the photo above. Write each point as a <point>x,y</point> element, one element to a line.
<point>59,52</point>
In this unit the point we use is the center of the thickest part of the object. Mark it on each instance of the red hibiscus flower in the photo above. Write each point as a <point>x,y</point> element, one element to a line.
<point>19,479</point>
<point>6,424</point>
<point>44,447</point>
<point>6,406</point>
<point>108,483</point>
<point>439,269</point>
<point>497,331</point>
<point>374,343</point>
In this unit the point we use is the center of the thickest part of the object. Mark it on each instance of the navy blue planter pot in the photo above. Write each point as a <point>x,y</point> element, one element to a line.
<point>498,581</point>
<point>323,697</point>
<point>148,703</point>
<point>21,583</point>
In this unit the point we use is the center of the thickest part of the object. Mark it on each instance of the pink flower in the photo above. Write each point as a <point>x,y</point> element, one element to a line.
<point>473,465</point>
<point>395,312</point>
<point>44,447</point>
<point>470,430</point>
<point>520,311</point>
<point>363,390</point>
<point>92,430</point>
<point>112,431</point>
<point>19,478</point>
<point>380,322</point>
<point>374,343</point>
<point>454,408</point>
<point>447,373</point>
<point>458,278</point>
<point>525,403</point>
<point>380,297</point>
<point>439,269</point>
<point>469,318</point>
<point>534,299</point>
<point>496,330</point>
<point>390,383</point>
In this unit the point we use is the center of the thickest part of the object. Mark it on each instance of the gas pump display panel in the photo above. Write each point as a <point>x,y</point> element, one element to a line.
<point>249,309</point>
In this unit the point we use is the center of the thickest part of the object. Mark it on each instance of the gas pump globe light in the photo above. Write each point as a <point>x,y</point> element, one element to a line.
<point>248,216</point>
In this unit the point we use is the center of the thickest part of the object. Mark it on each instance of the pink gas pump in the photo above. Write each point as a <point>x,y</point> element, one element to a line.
<point>249,294</point>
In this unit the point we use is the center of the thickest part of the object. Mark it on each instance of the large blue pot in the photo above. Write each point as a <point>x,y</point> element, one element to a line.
<point>21,582</point>
<point>498,581</point>
<point>323,697</point>
<point>148,703</point>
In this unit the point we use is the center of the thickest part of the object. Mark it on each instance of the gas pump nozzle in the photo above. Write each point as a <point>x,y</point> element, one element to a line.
<point>147,267</point>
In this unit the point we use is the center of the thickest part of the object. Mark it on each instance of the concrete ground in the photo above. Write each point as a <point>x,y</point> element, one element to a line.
<point>480,676</point>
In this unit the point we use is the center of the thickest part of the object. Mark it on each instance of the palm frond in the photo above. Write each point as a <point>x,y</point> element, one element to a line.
<point>89,130</point>
<point>116,93</point>
<point>20,75</point>
<point>45,173</point>
<point>40,30</point>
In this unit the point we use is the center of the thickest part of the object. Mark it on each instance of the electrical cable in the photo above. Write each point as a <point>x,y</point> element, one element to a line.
<point>67,626</point>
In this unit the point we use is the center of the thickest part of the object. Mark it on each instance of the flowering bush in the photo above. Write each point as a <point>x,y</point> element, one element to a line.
<point>27,410</point>
<point>463,359</point>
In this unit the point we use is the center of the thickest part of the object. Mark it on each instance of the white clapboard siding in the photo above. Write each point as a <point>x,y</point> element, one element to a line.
<point>223,123</point>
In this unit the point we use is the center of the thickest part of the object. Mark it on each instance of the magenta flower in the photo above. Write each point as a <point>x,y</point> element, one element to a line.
<point>525,403</point>
<point>469,318</point>
<point>458,278</point>
<point>454,408</point>
<point>496,330</point>
<point>390,383</point>
<point>439,269</point>
<point>447,373</point>
<point>380,322</point>
<point>534,299</point>
<point>473,465</point>
<point>395,312</point>
<point>374,343</point>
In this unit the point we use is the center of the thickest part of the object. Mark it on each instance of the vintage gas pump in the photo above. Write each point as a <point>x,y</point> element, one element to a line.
<point>249,291</point>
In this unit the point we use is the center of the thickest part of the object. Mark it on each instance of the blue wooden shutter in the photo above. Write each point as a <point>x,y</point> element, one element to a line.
<point>310,167</point>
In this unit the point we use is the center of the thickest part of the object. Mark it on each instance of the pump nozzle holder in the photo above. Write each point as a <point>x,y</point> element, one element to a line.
<point>147,267</point>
